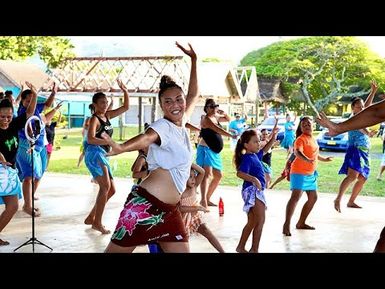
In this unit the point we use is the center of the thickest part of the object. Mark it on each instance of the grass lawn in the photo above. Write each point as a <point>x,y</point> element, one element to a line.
<point>64,160</point>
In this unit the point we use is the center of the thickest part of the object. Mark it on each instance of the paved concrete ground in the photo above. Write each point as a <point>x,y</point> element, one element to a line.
<point>66,199</point>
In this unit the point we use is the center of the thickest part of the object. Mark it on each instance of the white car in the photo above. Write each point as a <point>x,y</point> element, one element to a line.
<point>268,123</point>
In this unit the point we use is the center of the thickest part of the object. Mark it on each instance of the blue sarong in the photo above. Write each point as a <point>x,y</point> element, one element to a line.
<point>9,183</point>
<point>356,158</point>
<point>95,158</point>
<point>208,158</point>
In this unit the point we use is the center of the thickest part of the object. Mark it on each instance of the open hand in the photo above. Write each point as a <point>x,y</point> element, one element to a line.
<point>323,120</point>
<point>190,52</point>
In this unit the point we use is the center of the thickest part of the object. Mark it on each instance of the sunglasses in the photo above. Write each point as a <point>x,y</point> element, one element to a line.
<point>213,106</point>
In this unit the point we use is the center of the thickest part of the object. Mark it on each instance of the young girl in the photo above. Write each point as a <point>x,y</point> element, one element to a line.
<point>96,149</point>
<point>10,186</point>
<point>250,169</point>
<point>192,211</point>
<point>86,125</point>
<point>303,174</point>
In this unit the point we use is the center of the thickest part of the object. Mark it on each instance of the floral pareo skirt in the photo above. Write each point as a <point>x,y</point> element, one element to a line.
<point>145,219</point>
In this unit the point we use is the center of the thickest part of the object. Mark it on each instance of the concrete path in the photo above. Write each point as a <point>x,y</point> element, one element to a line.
<point>65,200</point>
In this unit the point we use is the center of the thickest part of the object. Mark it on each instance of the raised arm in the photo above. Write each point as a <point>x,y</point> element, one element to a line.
<point>116,112</point>
<point>193,90</point>
<point>373,90</point>
<point>51,98</point>
<point>49,115</point>
<point>371,115</point>
<point>18,98</point>
<point>111,105</point>
<point>222,116</point>
<point>32,105</point>
<point>271,141</point>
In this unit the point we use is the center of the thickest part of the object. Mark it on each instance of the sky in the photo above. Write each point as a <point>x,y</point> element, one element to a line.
<point>232,48</point>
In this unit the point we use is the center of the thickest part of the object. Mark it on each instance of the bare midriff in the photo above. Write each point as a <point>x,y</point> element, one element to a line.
<point>159,183</point>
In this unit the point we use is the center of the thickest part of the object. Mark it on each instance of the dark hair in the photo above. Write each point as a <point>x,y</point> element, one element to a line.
<point>97,96</point>
<point>298,132</point>
<point>91,108</point>
<point>1,95</point>
<point>245,138</point>
<point>5,103</point>
<point>209,102</point>
<point>8,92</point>
<point>166,82</point>
<point>355,100</point>
<point>25,93</point>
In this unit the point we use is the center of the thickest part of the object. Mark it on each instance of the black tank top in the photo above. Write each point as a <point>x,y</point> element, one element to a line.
<point>105,126</point>
<point>213,140</point>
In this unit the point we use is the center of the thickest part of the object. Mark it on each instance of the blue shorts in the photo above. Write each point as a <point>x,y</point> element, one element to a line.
<point>304,182</point>
<point>95,158</point>
<point>207,158</point>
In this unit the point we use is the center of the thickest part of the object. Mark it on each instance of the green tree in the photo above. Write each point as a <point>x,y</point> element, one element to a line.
<point>51,49</point>
<point>321,69</point>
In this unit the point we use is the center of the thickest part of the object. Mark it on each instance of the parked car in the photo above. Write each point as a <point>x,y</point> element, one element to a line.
<point>338,142</point>
<point>268,123</point>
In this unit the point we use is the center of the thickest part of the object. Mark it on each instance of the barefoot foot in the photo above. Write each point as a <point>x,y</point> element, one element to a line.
<point>337,206</point>
<point>89,220</point>
<point>304,227</point>
<point>353,205</point>
<point>211,204</point>
<point>203,204</point>
<point>241,250</point>
<point>101,229</point>
<point>286,231</point>
<point>3,243</point>
<point>27,210</point>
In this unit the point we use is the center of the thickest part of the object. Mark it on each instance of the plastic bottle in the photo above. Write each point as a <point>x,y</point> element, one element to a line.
<point>221,207</point>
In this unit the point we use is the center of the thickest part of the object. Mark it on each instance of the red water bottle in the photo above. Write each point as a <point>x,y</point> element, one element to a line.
<point>221,207</point>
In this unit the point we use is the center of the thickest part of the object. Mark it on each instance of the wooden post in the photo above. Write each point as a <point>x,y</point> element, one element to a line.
<point>256,112</point>
<point>69,115</point>
<point>153,108</point>
<point>121,120</point>
<point>140,112</point>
